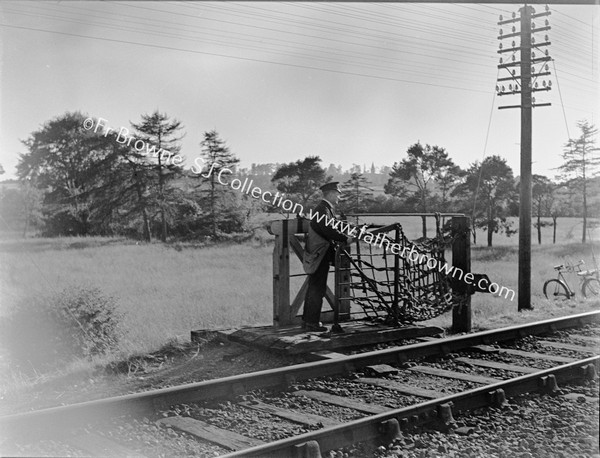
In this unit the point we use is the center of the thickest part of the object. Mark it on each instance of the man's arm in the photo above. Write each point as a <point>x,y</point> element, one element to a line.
<point>325,230</point>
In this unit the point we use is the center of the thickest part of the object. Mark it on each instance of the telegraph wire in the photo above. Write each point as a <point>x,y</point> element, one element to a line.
<point>574,19</point>
<point>282,31</point>
<point>561,100</point>
<point>411,25</point>
<point>308,67</point>
<point>327,49</point>
<point>487,135</point>
<point>347,29</point>
<point>427,72</point>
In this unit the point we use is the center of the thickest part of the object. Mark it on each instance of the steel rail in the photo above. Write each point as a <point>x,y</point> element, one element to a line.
<point>379,425</point>
<point>146,403</point>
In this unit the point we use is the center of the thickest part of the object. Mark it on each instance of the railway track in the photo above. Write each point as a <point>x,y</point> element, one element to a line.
<point>310,408</point>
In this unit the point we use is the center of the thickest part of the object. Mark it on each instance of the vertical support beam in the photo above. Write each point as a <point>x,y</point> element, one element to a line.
<point>337,278</point>
<point>281,278</point>
<point>396,303</point>
<point>461,259</point>
<point>524,283</point>
<point>341,309</point>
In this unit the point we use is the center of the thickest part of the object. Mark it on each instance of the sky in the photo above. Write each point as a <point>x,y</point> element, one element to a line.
<point>354,83</point>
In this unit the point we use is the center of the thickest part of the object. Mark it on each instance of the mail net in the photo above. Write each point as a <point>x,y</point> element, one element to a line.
<point>396,280</point>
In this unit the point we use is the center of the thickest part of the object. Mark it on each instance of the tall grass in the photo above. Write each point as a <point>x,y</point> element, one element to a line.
<point>500,264</point>
<point>162,292</point>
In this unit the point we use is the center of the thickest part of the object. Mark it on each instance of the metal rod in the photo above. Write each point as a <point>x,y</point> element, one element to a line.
<point>405,214</point>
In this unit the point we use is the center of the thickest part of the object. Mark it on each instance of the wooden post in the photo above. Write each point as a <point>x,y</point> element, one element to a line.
<point>524,299</point>
<point>342,280</point>
<point>396,303</point>
<point>461,259</point>
<point>281,277</point>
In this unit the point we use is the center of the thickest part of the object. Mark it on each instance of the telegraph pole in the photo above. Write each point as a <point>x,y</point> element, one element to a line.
<point>525,190</point>
<point>525,85</point>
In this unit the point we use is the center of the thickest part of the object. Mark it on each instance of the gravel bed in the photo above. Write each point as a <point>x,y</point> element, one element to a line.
<point>529,426</point>
<point>513,359</point>
<point>380,346</point>
<point>449,364</point>
<point>148,439</point>
<point>250,423</point>
<point>140,436</point>
<point>432,382</point>
<point>347,387</point>
<point>531,344</point>
<point>41,448</point>
<point>588,330</point>
<point>302,404</point>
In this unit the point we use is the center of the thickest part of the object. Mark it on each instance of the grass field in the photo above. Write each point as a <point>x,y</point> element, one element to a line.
<point>165,291</point>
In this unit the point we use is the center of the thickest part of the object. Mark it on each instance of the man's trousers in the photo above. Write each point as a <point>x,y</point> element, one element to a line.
<point>317,286</point>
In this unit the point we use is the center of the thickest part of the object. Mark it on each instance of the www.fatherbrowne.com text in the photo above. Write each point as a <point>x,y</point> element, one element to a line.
<point>412,255</point>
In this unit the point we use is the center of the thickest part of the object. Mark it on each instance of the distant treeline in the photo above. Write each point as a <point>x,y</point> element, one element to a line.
<point>75,180</point>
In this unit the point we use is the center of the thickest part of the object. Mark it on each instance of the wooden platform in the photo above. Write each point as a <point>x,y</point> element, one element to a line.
<point>294,340</point>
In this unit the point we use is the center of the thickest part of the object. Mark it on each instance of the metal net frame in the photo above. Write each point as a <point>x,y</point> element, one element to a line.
<point>398,286</point>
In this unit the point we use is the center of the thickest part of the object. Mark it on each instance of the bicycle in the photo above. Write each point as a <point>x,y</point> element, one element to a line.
<point>559,287</point>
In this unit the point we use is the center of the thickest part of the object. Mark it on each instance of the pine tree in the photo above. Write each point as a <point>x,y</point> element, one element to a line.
<point>581,164</point>
<point>217,158</point>
<point>356,194</point>
<point>159,135</point>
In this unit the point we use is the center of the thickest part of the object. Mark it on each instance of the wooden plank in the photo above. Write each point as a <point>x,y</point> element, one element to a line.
<point>299,299</point>
<point>591,339</point>
<point>576,397</point>
<point>210,433</point>
<point>354,338</point>
<point>427,339</point>
<point>381,369</point>
<point>324,355</point>
<point>542,356</point>
<point>455,375</point>
<point>97,445</point>
<point>302,418</point>
<point>297,247</point>
<point>567,346</point>
<point>372,409</point>
<point>401,387</point>
<point>497,365</point>
<point>485,349</point>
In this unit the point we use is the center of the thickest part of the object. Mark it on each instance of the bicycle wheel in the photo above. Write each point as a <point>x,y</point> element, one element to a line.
<point>590,287</point>
<point>556,289</point>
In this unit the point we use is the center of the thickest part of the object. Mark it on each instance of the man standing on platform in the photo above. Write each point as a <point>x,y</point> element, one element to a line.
<point>319,253</point>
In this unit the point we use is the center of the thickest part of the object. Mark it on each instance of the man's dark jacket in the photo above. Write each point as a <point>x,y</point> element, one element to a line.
<point>321,236</point>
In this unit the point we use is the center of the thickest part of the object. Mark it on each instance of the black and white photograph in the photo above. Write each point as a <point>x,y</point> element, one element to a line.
<point>313,229</point>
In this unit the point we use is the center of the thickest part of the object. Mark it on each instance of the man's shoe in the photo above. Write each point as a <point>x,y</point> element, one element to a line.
<point>337,329</point>
<point>314,327</point>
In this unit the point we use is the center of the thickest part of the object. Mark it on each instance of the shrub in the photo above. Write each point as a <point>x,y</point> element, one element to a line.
<point>78,322</point>
<point>90,320</point>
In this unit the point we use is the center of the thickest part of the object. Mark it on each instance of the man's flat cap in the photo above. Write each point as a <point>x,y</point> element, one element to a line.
<point>333,186</point>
